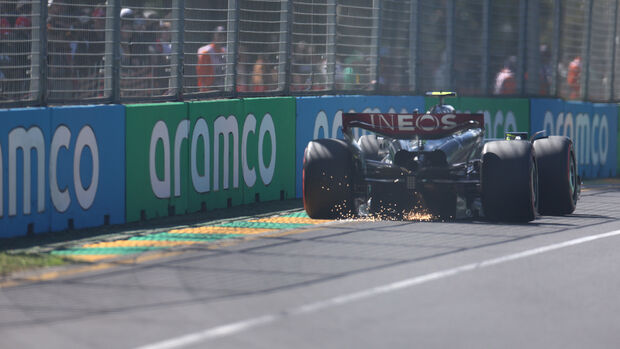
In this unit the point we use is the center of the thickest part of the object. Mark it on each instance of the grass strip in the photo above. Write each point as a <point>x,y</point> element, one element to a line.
<point>10,263</point>
<point>105,250</point>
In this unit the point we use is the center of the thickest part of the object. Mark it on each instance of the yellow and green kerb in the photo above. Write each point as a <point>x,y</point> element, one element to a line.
<point>206,234</point>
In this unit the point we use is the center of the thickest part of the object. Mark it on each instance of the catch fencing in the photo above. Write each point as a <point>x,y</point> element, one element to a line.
<point>121,51</point>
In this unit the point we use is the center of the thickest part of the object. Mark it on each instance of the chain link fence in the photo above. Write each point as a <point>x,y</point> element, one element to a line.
<point>20,49</point>
<point>115,51</point>
<point>313,58</point>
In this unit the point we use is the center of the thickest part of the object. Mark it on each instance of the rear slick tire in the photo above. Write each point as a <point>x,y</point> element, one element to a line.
<point>557,173</point>
<point>509,181</point>
<point>327,180</point>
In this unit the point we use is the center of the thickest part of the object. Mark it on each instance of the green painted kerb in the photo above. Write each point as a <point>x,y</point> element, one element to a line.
<point>184,237</point>
<point>263,225</point>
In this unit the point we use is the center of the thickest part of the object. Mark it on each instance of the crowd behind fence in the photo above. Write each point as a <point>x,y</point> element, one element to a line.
<point>116,51</point>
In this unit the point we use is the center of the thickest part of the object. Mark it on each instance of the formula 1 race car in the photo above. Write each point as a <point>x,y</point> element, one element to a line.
<point>437,162</point>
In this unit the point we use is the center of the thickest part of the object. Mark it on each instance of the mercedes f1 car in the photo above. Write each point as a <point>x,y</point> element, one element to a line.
<point>438,162</point>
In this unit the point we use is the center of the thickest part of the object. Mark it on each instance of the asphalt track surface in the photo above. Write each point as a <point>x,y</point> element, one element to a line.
<point>353,284</point>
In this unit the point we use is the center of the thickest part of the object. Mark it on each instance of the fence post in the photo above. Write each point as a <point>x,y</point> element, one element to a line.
<point>116,50</point>
<point>331,34</point>
<point>374,42</point>
<point>522,46</point>
<point>613,53</point>
<point>555,47</point>
<point>378,28</point>
<point>285,43</point>
<point>585,65</point>
<point>486,37</point>
<point>413,46</point>
<point>450,17</point>
<point>41,87</point>
<point>532,49</point>
<point>179,25</point>
<point>289,48</point>
<point>233,26</point>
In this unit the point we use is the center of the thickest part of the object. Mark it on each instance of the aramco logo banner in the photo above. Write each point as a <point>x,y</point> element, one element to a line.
<point>591,126</point>
<point>188,157</point>
<point>61,168</point>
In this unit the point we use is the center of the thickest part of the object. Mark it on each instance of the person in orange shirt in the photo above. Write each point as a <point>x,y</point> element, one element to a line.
<point>259,75</point>
<point>211,68</point>
<point>573,78</point>
<point>505,80</point>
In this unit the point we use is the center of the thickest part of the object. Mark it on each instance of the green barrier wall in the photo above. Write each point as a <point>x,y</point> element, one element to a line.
<point>187,157</point>
<point>500,114</point>
<point>202,116</point>
<point>618,147</point>
<point>156,164</point>
<point>253,128</point>
<point>282,113</point>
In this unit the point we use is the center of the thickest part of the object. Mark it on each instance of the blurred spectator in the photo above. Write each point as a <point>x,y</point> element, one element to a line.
<point>126,35</point>
<point>97,36</point>
<point>319,68</point>
<point>5,51</point>
<point>211,68</point>
<point>15,33</point>
<point>140,41</point>
<point>573,78</point>
<point>80,45</point>
<point>164,38</point>
<point>5,57</point>
<point>5,26</point>
<point>60,27</point>
<point>91,51</point>
<point>162,52</point>
<point>505,81</point>
<point>546,71</point>
<point>265,72</point>
<point>349,71</point>
<point>259,75</point>
<point>155,40</point>
<point>136,75</point>
<point>301,67</point>
<point>244,70</point>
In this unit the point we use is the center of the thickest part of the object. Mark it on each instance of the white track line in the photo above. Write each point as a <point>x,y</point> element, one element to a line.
<point>240,326</point>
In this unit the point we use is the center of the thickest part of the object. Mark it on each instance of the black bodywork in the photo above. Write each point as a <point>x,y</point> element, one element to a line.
<point>437,163</point>
<point>439,173</point>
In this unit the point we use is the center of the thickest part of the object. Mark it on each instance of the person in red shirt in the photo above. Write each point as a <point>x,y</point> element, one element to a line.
<point>211,68</point>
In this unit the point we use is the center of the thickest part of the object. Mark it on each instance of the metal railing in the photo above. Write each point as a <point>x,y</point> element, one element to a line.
<point>122,51</point>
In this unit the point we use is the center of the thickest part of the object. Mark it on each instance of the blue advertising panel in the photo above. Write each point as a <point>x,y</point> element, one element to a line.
<point>604,155</point>
<point>321,117</point>
<point>87,166</point>
<point>61,168</point>
<point>590,126</point>
<point>24,203</point>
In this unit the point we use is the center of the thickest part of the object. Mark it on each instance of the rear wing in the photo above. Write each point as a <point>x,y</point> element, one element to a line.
<point>410,126</point>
